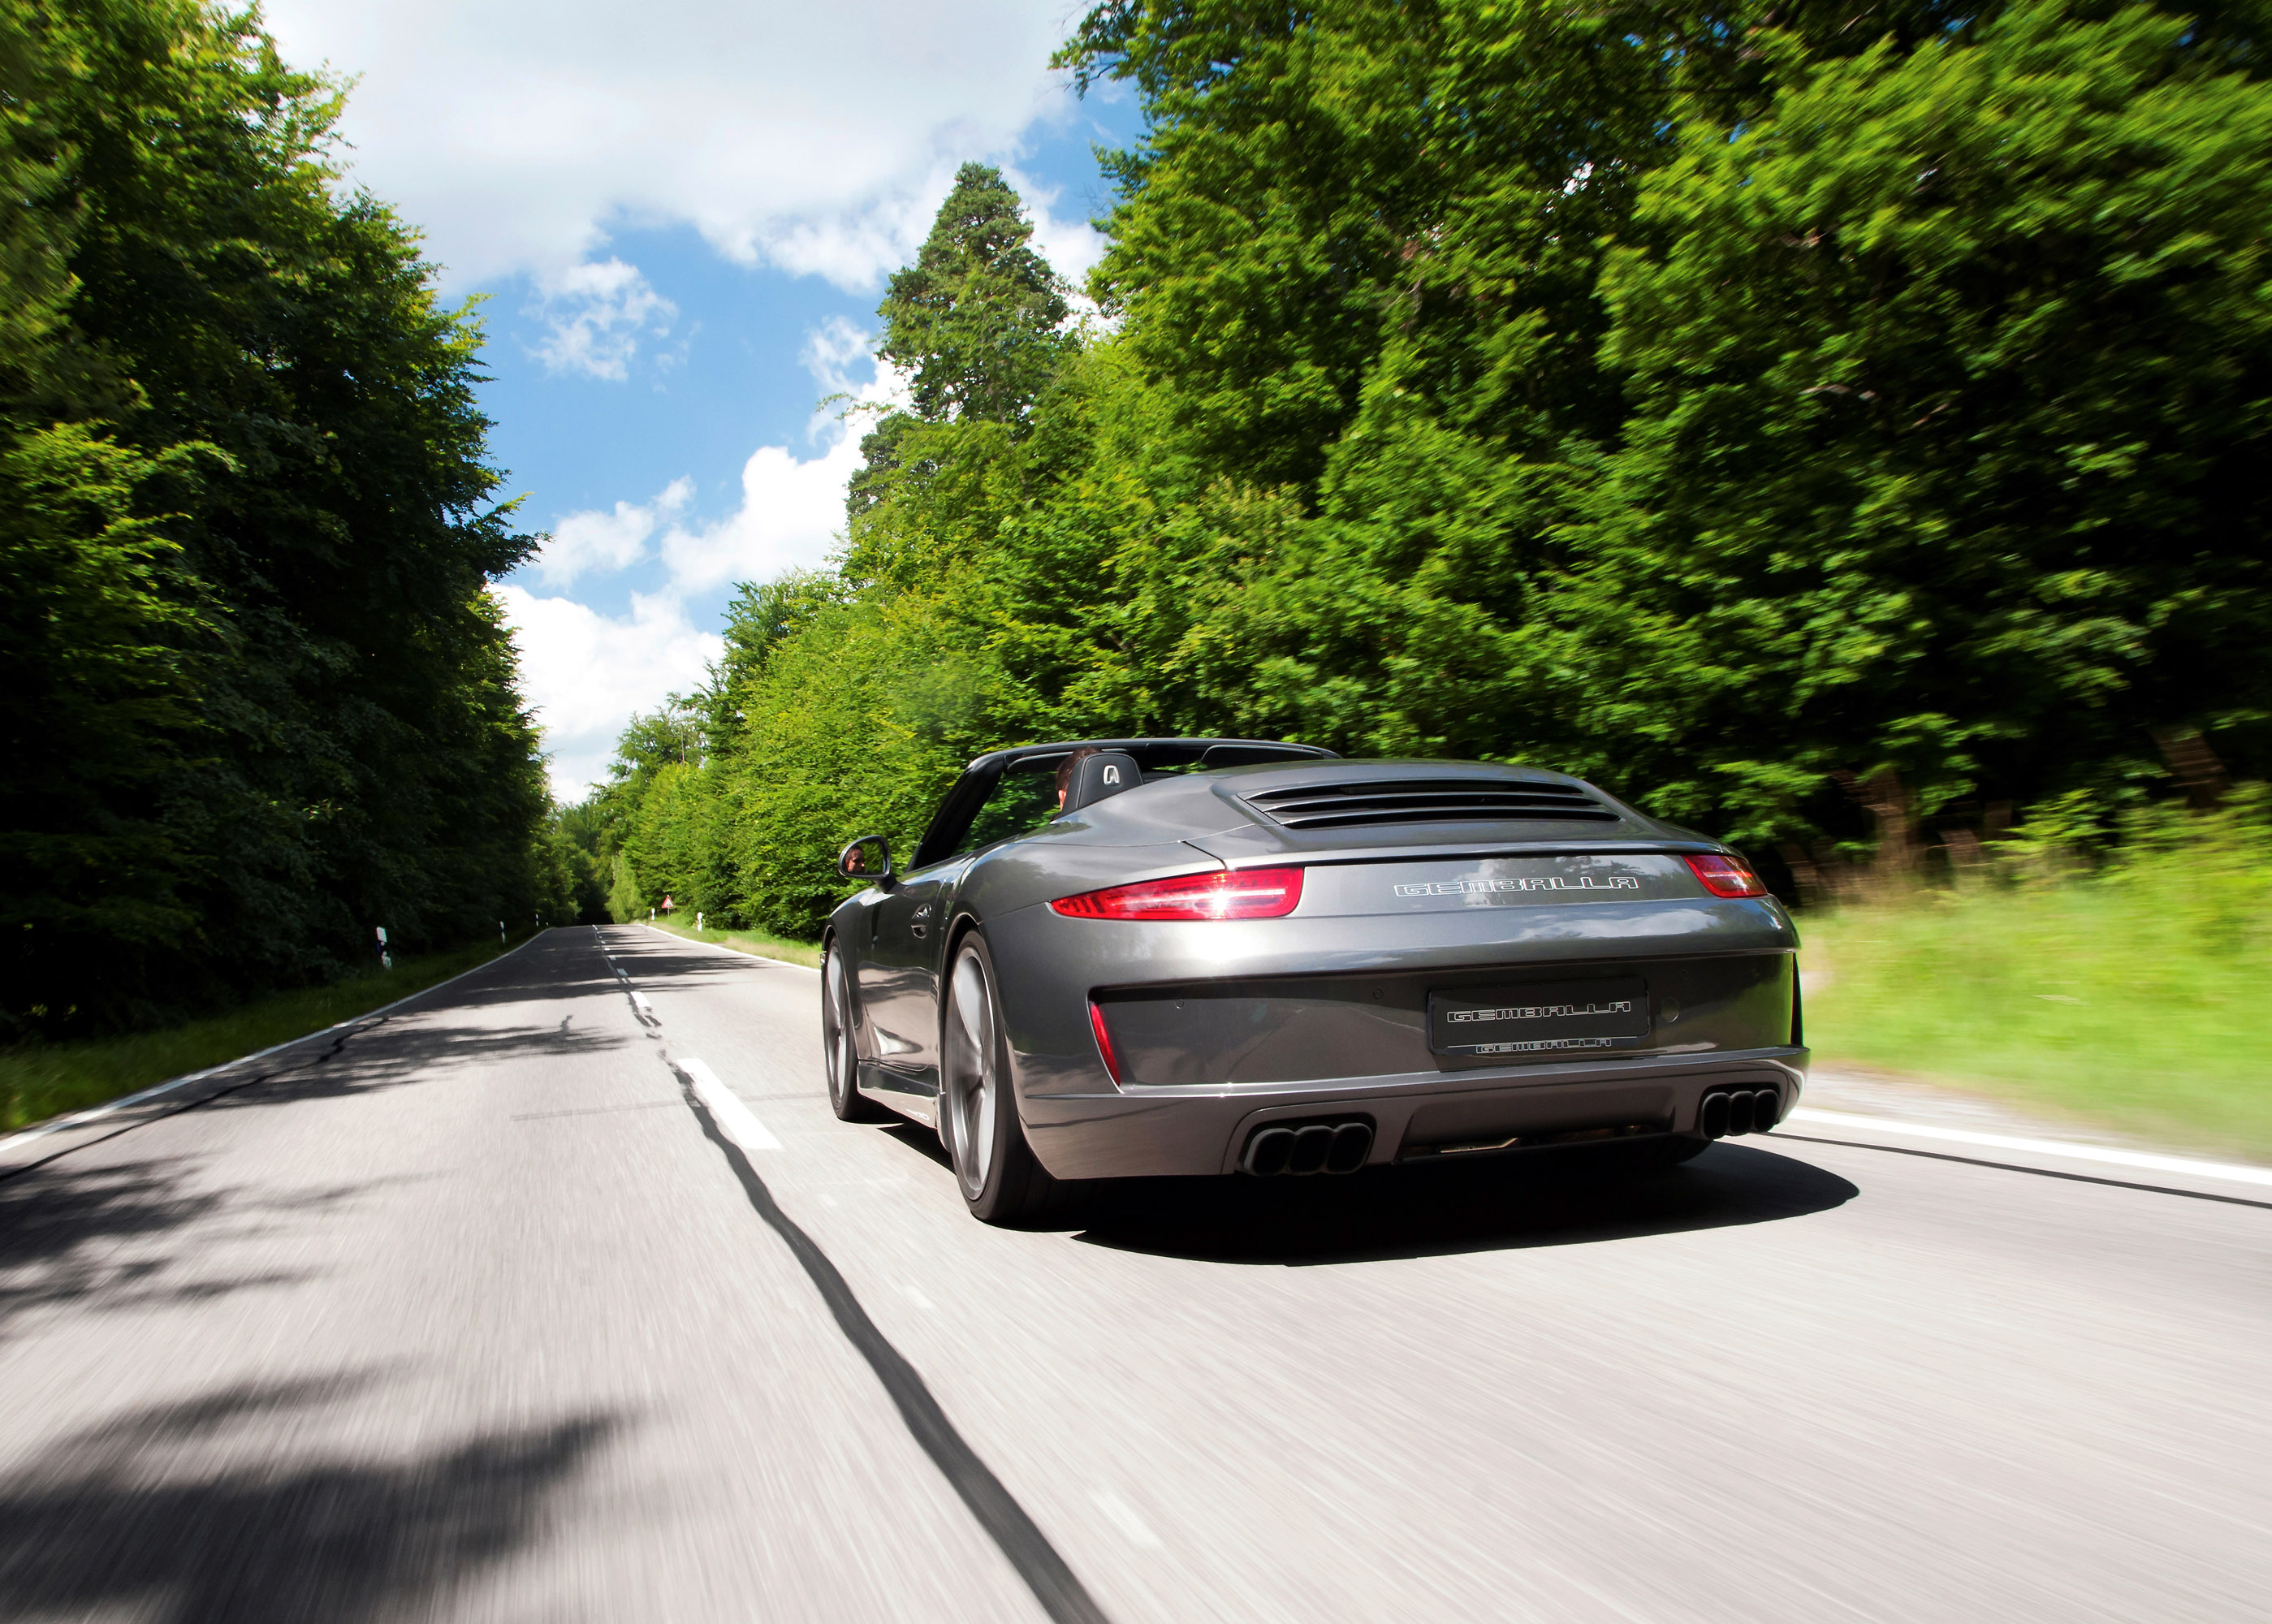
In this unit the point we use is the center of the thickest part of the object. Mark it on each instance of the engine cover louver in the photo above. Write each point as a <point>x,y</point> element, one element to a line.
<point>1425,800</point>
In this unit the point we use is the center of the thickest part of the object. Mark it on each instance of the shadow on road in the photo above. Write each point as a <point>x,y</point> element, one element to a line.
<point>408,1046</point>
<point>68,1234</point>
<point>1500,1204</point>
<point>183,1513</point>
<point>392,1054</point>
<point>567,962</point>
<point>553,971</point>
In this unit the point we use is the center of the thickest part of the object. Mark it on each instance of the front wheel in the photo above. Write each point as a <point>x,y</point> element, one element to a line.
<point>1002,1181</point>
<point>840,1055</point>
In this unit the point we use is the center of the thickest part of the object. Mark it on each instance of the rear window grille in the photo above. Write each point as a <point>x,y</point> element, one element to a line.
<point>1425,800</point>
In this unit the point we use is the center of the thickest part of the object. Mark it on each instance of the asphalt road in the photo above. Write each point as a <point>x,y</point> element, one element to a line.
<point>478,1314</point>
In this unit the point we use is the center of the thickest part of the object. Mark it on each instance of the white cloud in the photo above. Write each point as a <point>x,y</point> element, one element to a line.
<point>790,515</point>
<point>596,312</point>
<point>792,511</point>
<point>606,542</point>
<point>833,352</point>
<point>1068,242</point>
<point>818,138</point>
<point>792,508</point>
<point>587,674</point>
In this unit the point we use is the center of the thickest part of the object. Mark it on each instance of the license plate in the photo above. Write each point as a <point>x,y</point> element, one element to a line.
<point>1541,1018</point>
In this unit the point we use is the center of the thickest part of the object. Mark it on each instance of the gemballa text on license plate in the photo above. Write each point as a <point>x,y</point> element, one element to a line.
<point>1540,1019</point>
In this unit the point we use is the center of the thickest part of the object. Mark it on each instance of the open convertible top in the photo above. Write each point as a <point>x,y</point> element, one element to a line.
<point>1155,755</point>
<point>1152,755</point>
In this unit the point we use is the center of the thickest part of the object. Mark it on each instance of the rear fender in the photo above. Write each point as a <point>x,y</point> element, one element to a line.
<point>960,927</point>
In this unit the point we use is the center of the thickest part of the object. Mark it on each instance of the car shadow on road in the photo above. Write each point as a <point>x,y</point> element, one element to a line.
<point>166,1512</point>
<point>920,1140</point>
<point>1497,1204</point>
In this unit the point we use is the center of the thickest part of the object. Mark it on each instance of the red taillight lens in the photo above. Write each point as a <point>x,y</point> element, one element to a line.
<point>1726,876</point>
<point>1244,893</point>
<point>1103,1040</point>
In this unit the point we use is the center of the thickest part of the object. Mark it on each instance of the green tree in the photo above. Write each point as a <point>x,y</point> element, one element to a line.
<point>258,696</point>
<point>977,322</point>
<point>625,902</point>
<point>977,319</point>
<point>1952,379</point>
<point>1468,287</point>
<point>1737,405</point>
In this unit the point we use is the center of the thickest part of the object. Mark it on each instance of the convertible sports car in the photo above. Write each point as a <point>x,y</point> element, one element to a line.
<point>1138,956</point>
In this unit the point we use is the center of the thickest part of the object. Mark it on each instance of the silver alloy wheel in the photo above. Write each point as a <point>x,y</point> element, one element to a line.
<point>836,1033</point>
<point>972,1091</point>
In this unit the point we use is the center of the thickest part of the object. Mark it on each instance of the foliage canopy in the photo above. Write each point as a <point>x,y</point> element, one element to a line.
<point>1774,413</point>
<point>257,699</point>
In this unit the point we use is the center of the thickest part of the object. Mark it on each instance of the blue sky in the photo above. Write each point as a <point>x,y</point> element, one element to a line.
<point>681,219</point>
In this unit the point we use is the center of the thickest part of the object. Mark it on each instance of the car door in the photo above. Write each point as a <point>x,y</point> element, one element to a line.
<point>902,969</point>
<point>899,977</point>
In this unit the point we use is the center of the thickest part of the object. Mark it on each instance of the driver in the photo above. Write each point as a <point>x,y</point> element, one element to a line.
<point>1065,771</point>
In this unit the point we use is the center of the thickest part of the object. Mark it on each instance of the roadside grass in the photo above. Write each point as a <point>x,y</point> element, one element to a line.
<point>2137,998</point>
<point>38,1081</point>
<point>758,942</point>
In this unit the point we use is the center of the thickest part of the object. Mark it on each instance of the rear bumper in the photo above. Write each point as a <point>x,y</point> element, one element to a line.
<point>1156,1132</point>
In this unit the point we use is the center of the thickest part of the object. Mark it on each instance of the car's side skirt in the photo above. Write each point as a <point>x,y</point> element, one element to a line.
<point>913,1092</point>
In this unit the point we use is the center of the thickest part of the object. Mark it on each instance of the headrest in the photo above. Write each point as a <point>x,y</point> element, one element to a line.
<point>1094,777</point>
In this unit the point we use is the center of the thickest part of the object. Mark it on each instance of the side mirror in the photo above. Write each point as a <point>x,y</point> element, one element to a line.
<point>853,865</point>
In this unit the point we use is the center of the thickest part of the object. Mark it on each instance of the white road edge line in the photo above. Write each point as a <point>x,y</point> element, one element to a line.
<point>2231,1171</point>
<point>736,952</point>
<point>97,1112</point>
<point>735,1119</point>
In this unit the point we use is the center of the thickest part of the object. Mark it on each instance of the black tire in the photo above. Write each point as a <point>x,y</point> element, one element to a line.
<point>840,1053</point>
<point>1001,1180</point>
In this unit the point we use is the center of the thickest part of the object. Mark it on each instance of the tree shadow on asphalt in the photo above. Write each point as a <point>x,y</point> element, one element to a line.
<point>389,1055</point>
<point>74,1234</point>
<point>1535,1199</point>
<point>567,965</point>
<point>165,1513</point>
<point>398,1049</point>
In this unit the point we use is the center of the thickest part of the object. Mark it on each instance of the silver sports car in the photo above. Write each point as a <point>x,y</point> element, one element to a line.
<point>1141,956</point>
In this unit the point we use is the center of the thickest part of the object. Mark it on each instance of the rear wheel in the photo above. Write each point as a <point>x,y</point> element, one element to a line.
<point>1002,1181</point>
<point>841,1057</point>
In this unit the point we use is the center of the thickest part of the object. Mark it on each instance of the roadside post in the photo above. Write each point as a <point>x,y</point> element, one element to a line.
<point>385,958</point>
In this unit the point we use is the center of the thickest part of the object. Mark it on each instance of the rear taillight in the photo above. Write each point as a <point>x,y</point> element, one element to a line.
<point>1103,1040</point>
<point>1242,893</point>
<point>1724,874</point>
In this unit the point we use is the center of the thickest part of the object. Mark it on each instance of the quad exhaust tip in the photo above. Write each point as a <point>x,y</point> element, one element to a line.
<point>1726,1113</point>
<point>1300,1149</point>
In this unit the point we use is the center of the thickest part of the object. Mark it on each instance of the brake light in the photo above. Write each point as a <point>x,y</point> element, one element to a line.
<point>1724,874</point>
<point>1103,1040</point>
<point>1241,894</point>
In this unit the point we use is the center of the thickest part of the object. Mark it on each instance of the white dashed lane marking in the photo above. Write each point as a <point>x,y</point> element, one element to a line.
<point>735,1119</point>
<point>1123,1516</point>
